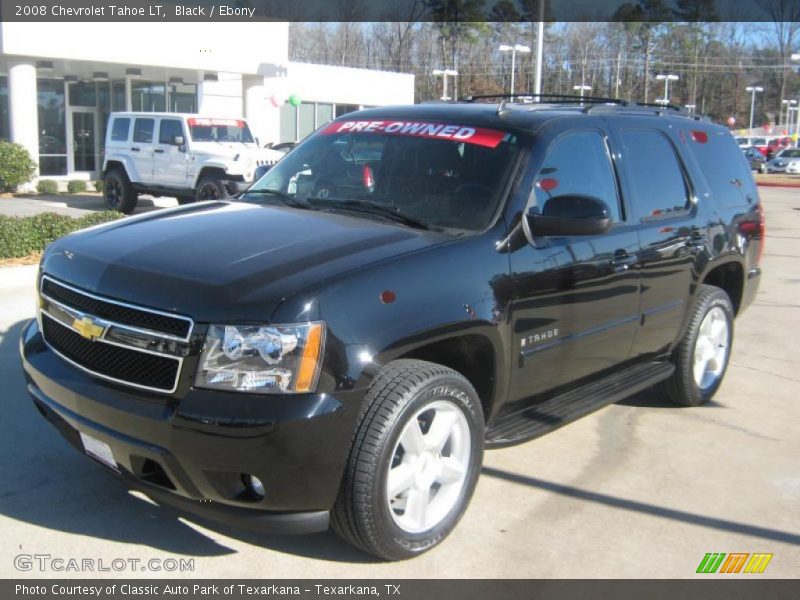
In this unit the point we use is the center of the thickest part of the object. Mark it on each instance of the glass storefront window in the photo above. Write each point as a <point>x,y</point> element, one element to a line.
<point>52,127</point>
<point>306,119</point>
<point>343,109</point>
<point>288,123</point>
<point>5,132</point>
<point>148,96</point>
<point>83,93</point>
<point>118,96</point>
<point>324,114</point>
<point>183,98</point>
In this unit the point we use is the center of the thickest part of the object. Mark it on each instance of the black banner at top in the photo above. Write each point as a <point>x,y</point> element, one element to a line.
<point>401,10</point>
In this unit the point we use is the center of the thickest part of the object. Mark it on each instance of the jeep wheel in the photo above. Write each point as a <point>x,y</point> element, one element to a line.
<point>185,199</point>
<point>414,461</point>
<point>702,356</point>
<point>212,188</point>
<point>118,193</point>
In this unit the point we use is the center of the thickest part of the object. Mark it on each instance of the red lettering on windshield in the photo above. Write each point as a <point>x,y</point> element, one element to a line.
<point>480,136</point>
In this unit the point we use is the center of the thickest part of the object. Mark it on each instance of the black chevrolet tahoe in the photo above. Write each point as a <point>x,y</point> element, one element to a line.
<point>408,286</point>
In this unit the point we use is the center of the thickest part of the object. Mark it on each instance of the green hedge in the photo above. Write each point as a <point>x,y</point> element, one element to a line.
<point>47,186</point>
<point>16,166</point>
<point>76,186</point>
<point>23,236</point>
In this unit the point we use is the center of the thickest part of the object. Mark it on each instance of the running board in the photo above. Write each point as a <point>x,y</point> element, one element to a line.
<point>541,418</point>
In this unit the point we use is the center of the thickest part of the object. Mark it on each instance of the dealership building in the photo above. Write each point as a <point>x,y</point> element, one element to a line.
<point>60,81</point>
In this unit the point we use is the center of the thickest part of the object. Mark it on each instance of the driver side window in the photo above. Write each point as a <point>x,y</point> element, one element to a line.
<point>577,164</point>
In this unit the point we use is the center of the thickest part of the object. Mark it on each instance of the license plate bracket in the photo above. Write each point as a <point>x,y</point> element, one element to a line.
<point>98,450</point>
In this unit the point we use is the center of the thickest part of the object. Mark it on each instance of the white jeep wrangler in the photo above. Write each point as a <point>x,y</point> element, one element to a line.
<point>191,157</point>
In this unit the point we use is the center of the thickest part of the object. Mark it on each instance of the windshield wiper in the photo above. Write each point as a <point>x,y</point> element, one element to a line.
<point>284,197</point>
<point>367,206</point>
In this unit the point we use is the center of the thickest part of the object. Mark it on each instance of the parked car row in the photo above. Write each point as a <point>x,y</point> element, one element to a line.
<point>786,161</point>
<point>767,146</point>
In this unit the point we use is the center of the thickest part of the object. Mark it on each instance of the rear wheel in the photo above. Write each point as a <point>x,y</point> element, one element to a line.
<point>702,356</point>
<point>414,461</point>
<point>118,193</point>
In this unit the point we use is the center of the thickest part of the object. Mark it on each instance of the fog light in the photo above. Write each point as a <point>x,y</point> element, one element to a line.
<point>256,486</point>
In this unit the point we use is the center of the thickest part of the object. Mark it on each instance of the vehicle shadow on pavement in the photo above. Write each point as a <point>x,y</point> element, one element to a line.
<point>47,483</point>
<point>644,507</point>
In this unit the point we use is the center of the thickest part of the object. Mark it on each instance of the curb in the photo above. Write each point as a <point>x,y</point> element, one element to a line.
<point>780,185</point>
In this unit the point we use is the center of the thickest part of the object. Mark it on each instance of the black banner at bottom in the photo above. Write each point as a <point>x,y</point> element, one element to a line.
<point>406,589</point>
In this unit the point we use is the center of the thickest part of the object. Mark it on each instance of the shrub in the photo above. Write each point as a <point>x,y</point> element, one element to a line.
<point>76,186</point>
<point>16,166</point>
<point>47,186</point>
<point>23,236</point>
<point>98,185</point>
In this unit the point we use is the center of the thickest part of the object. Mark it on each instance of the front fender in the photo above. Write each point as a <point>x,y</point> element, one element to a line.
<point>130,167</point>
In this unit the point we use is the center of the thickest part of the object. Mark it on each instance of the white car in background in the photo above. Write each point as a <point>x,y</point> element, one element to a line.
<point>787,161</point>
<point>192,157</point>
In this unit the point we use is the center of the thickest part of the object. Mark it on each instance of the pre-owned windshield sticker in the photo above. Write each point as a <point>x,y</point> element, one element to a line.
<point>479,136</point>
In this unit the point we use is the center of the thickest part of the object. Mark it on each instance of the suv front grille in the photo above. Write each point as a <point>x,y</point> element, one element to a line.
<point>119,313</point>
<point>127,344</point>
<point>119,364</point>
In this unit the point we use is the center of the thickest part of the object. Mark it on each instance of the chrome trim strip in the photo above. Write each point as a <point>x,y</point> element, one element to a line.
<point>107,325</point>
<point>115,380</point>
<point>125,304</point>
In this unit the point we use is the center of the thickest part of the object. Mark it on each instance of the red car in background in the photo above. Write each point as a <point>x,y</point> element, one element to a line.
<point>775,145</point>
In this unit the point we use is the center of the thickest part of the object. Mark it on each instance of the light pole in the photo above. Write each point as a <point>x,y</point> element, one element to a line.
<point>753,89</point>
<point>666,78</point>
<point>514,49</point>
<point>443,73</point>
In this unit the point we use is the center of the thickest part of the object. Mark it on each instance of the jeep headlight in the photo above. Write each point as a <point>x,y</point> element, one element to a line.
<point>273,359</point>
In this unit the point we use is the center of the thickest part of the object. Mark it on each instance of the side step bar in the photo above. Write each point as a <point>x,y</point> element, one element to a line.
<point>541,418</point>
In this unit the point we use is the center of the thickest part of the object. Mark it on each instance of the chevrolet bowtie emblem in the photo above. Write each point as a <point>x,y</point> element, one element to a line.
<point>88,328</point>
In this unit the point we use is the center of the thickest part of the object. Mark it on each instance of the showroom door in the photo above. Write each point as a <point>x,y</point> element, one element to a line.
<point>84,147</point>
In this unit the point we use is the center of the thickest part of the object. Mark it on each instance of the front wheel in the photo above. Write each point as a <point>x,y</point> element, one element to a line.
<point>414,461</point>
<point>702,356</point>
<point>212,188</point>
<point>118,193</point>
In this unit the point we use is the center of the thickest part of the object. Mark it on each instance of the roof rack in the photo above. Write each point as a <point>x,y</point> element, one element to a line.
<point>551,99</point>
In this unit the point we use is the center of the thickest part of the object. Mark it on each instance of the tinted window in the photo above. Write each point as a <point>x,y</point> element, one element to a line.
<point>168,129</point>
<point>119,130</point>
<point>657,183</point>
<point>143,131</point>
<point>578,163</point>
<point>723,165</point>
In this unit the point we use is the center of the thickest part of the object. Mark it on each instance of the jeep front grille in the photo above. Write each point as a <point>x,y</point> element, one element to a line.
<point>126,344</point>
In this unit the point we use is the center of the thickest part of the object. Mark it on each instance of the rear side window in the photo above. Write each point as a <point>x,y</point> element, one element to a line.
<point>143,131</point>
<point>578,164</point>
<point>723,164</point>
<point>658,187</point>
<point>120,129</point>
<point>168,129</point>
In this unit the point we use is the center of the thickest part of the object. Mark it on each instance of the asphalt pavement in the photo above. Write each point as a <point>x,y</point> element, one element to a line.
<point>641,489</point>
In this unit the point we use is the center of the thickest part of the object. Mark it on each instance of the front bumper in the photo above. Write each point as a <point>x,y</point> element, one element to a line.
<point>192,452</point>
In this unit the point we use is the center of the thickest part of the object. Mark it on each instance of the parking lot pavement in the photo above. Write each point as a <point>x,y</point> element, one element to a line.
<point>638,489</point>
<point>73,205</point>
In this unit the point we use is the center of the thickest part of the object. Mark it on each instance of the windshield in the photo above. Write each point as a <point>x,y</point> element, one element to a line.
<point>442,175</point>
<point>790,153</point>
<point>759,142</point>
<point>219,130</point>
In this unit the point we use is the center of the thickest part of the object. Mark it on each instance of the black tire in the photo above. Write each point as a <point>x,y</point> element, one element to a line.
<point>211,187</point>
<point>118,193</point>
<point>361,515</point>
<point>682,388</point>
<point>185,199</point>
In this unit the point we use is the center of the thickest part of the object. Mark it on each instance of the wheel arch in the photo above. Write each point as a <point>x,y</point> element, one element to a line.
<point>728,276</point>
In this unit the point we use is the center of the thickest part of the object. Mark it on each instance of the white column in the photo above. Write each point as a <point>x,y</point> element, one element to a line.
<point>22,106</point>
<point>255,110</point>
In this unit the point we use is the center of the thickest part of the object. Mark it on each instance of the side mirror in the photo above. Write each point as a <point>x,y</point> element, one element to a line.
<point>178,140</point>
<point>260,170</point>
<point>571,215</point>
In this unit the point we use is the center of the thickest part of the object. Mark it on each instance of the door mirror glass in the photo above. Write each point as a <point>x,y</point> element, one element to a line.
<point>571,215</point>
<point>178,140</point>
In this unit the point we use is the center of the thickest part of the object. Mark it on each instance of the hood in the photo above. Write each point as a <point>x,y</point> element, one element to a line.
<point>224,261</point>
<point>228,150</point>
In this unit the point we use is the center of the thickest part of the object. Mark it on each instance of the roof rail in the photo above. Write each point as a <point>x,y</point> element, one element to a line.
<point>551,98</point>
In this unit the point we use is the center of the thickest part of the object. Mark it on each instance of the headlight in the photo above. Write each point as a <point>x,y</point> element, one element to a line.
<point>273,359</point>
